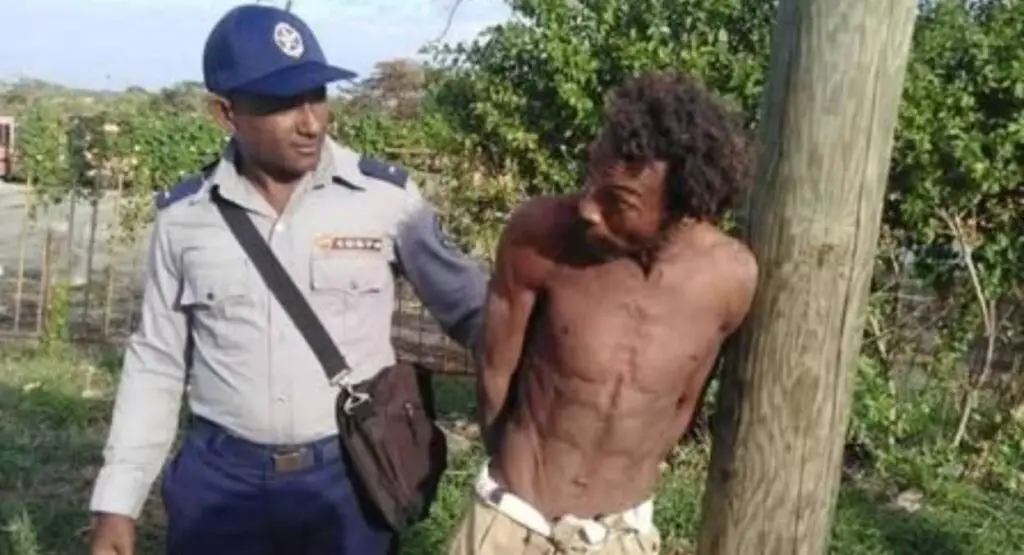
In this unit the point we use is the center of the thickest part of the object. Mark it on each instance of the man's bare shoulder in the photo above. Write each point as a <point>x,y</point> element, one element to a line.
<point>540,219</point>
<point>720,252</point>
<point>727,268</point>
<point>736,271</point>
<point>735,256</point>
<point>539,227</point>
<point>532,238</point>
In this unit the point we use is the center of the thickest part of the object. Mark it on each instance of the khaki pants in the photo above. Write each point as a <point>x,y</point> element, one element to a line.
<point>511,527</point>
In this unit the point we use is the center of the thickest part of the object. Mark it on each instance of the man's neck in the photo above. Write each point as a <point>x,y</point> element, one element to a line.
<point>277,190</point>
<point>662,246</point>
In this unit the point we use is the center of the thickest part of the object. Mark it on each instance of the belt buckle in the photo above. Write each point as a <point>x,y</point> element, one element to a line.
<point>289,461</point>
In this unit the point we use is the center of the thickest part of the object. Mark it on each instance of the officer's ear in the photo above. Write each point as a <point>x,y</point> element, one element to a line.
<point>222,111</point>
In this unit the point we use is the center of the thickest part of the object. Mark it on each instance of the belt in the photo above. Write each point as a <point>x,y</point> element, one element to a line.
<point>279,458</point>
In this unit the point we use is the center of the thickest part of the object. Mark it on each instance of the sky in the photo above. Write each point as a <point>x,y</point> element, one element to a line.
<point>155,43</point>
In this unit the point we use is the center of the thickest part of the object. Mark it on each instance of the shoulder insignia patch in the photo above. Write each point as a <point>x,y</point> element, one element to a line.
<point>188,186</point>
<point>183,189</point>
<point>442,236</point>
<point>378,169</point>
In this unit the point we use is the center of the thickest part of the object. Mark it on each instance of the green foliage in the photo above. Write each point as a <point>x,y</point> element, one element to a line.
<point>956,201</point>
<point>56,316</point>
<point>22,537</point>
<point>376,133</point>
<point>42,155</point>
<point>528,96</point>
<point>135,150</point>
<point>168,148</point>
<point>530,93</point>
<point>901,431</point>
<point>142,150</point>
<point>960,150</point>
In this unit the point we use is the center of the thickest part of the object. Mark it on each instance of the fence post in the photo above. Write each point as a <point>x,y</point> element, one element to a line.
<point>29,199</point>
<point>108,307</point>
<point>42,311</point>
<point>70,250</point>
<point>89,257</point>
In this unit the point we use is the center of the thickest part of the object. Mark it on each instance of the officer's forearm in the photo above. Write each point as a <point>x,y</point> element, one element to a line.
<point>467,332</point>
<point>142,430</point>
<point>451,285</point>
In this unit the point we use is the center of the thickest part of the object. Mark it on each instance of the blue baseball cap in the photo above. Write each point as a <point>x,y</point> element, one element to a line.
<point>266,51</point>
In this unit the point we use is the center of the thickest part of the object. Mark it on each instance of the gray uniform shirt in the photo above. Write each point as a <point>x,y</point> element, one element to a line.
<point>208,319</point>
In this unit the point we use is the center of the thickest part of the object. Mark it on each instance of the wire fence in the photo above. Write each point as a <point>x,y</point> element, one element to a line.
<point>69,269</point>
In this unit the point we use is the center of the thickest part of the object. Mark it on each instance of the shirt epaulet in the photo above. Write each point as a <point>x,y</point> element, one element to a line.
<point>383,171</point>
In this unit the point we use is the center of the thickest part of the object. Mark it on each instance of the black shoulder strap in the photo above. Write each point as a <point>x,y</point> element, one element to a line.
<point>281,284</point>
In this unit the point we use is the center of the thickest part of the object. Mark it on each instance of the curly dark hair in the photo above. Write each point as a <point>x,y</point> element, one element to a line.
<point>671,117</point>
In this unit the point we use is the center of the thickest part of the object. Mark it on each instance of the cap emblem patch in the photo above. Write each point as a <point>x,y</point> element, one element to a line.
<point>288,40</point>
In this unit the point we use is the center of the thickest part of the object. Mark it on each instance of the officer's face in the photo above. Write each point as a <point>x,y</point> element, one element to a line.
<point>281,135</point>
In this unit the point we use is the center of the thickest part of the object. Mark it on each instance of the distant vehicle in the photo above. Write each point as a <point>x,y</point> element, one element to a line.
<point>6,147</point>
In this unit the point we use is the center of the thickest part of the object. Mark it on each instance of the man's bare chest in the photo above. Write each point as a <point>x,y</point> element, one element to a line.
<point>609,321</point>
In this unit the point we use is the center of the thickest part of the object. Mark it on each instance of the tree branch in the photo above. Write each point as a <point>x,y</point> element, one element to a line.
<point>451,19</point>
<point>988,309</point>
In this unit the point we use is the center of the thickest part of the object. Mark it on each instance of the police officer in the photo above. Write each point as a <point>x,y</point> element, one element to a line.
<point>259,470</point>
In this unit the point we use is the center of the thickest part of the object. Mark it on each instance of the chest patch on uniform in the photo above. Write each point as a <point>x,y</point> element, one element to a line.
<point>334,243</point>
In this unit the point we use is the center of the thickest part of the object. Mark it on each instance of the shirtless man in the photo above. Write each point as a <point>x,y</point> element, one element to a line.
<point>605,314</point>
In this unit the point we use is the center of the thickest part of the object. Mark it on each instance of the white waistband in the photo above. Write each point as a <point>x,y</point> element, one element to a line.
<point>639,518</point>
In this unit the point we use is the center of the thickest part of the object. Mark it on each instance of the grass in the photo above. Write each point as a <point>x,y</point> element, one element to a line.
<point>53,416</point>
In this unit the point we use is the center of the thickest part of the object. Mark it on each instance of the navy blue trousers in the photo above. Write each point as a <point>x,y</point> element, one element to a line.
<point>223,495</point>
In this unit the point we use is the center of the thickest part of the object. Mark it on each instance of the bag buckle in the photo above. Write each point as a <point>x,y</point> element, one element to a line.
<point>353,397</point>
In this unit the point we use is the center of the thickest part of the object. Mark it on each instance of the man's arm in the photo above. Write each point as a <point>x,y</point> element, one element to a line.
<point>451,284</point>
<point>518,277</point>
<point>148,401</point>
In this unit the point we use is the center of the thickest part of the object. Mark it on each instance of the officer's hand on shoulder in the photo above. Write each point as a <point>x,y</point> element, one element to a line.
<point>112,535</point>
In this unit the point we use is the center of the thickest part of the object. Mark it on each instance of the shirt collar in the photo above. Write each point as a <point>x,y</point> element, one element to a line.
<point>238,189</point>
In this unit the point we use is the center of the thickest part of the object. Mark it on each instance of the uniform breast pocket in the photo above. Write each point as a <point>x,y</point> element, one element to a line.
<point>219,291</point>
<point>343,286</point>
